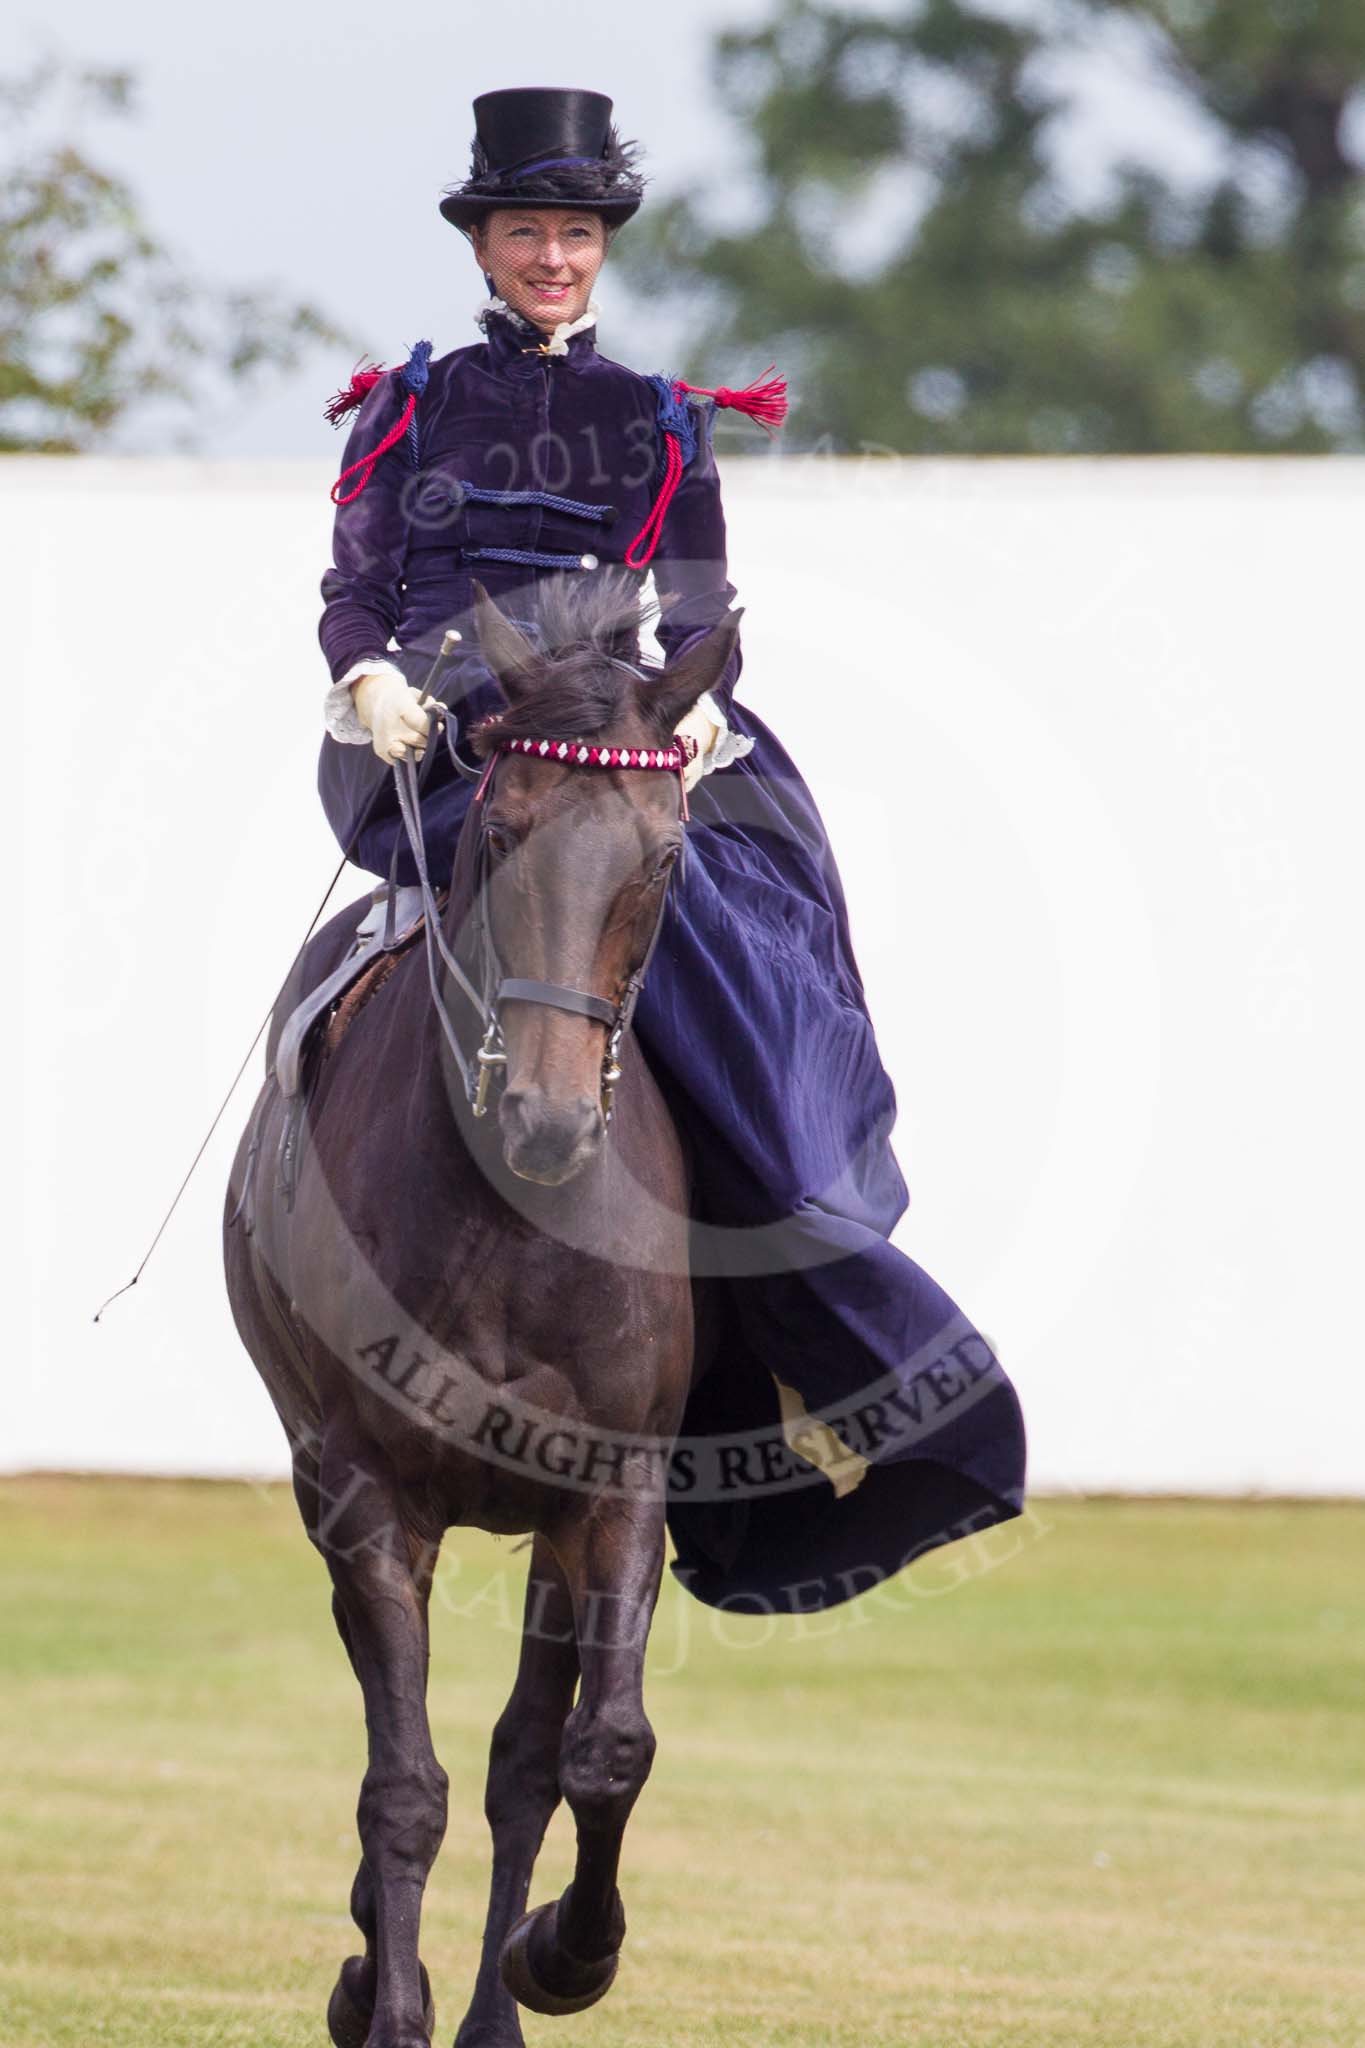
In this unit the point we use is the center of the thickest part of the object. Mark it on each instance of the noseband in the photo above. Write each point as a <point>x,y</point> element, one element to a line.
<point>496,986</point>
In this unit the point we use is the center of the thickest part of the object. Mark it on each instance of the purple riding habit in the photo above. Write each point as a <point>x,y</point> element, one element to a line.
<point>515,464</point>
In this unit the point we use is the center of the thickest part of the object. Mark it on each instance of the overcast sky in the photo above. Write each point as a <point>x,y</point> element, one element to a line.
<point>305,144</point>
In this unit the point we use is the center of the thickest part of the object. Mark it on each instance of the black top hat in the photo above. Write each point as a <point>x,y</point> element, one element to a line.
<point>546,145</point>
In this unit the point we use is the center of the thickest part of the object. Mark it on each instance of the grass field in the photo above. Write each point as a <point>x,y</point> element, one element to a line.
<point>1098,1777</point>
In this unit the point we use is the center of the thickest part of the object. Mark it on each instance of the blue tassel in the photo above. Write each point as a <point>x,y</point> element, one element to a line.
<point>415,369</point>
<point>675,416</point>
<point>413,377</point>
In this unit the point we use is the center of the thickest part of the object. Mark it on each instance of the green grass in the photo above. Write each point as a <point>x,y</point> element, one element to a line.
<point>1095,1778</point>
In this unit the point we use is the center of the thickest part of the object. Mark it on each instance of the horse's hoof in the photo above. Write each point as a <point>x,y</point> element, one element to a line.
<point>351,2005</point>
<point>583,1983</point>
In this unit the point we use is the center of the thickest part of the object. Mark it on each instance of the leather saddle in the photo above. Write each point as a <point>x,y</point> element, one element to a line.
<point>391,924</point>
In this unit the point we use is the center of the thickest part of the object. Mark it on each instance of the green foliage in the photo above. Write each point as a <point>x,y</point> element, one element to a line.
<point>97,321</point>
<point>999,313</point>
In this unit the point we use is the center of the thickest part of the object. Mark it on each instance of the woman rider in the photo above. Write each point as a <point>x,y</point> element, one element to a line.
<point>530,455</point>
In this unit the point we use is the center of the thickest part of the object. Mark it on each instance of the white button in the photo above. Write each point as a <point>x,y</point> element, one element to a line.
<point>587,562</point>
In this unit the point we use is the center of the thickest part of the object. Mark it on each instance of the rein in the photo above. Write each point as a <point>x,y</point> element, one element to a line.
<point>496,986</point>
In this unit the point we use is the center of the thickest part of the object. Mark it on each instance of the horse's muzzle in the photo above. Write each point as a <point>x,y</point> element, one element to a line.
<point>549,1141</point>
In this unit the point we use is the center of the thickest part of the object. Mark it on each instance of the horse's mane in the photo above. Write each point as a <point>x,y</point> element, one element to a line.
<point>585,627</point>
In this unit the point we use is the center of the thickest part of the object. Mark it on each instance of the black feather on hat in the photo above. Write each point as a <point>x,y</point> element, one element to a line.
<point>545,145</point>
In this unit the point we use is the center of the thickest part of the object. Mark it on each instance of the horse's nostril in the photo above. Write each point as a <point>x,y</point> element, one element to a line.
<point>513,1106</point>
<point>589,1112</point>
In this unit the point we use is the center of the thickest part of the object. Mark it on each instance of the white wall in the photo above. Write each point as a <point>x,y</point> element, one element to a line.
<point>1087,736</point>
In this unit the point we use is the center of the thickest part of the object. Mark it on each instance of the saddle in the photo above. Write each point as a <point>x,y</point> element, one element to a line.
<point>386,931</point>
<point>390,925</point>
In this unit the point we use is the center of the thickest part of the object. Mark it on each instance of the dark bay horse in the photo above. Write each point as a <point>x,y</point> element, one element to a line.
<point>488,1320</point>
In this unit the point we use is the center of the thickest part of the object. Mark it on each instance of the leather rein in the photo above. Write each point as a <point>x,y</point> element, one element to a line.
<point>497,987</point>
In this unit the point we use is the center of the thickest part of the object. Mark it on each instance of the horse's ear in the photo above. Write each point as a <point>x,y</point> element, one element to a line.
<point>700,668</point>
<point>505,648</point>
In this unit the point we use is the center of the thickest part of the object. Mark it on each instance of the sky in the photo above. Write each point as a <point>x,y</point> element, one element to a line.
<point>305,145</point>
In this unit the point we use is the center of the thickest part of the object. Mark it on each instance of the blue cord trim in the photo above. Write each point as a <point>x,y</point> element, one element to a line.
<point>414,375</point>
<point>477,494</point>
<point>530,558</point>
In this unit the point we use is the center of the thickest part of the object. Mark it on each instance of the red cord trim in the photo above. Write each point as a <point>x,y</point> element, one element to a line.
<point>367,462</point>
<point>653,526</point>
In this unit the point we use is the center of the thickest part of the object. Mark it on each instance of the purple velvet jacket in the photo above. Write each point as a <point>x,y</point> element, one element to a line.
<point>516,463</point>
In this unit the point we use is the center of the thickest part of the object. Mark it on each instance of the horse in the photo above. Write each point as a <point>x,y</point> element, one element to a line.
<point>434,1297</point>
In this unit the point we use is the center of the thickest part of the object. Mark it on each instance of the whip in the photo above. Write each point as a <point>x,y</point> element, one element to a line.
<point>448,645</point>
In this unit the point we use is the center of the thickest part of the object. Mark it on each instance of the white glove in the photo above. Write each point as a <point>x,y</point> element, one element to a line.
<point>390,708</point>
<point>703,731</point>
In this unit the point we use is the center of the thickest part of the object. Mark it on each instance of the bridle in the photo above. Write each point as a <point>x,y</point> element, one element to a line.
<point>496,986</point>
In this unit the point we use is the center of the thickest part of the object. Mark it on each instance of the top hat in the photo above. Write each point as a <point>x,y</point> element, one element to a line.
<point>544,145</point>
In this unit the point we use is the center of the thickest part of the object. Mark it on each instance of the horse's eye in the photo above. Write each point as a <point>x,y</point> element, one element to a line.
<point>499,840</point>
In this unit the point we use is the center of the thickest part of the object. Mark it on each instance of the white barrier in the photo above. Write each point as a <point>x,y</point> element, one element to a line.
<point>1099,845</point>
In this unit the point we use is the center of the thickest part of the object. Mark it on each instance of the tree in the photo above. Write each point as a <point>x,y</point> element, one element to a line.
<point>97,320</point>
<point>999,312</point>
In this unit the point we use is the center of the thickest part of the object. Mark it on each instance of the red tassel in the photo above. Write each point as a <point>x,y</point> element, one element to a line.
<point>764,401</point>
<point>356,392</point>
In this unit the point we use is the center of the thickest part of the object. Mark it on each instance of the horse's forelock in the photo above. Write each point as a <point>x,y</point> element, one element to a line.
<point>579,695</point>
<point>588,632</point>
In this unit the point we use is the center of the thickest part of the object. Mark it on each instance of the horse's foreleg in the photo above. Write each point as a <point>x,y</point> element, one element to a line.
<point>523,1785</point>
<point>381,1599</point>
<point>352,2001</point>
<point>563,1957</point>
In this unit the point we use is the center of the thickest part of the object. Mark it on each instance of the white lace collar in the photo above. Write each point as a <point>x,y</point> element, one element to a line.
<point>558,342</point>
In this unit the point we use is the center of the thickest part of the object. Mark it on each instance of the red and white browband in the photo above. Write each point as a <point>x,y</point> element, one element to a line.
<point>583,754</point>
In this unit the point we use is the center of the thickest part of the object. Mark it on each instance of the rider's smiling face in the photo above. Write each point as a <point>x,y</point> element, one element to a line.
<point>543,260</point>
